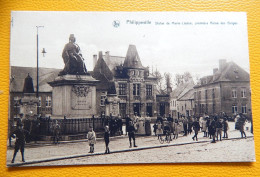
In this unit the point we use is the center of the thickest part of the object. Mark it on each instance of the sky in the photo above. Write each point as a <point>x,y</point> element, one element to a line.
<point>173,42</point>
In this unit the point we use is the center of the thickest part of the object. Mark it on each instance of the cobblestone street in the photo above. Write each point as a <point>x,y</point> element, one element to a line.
<point>203,152</point>
<point>206,152</point>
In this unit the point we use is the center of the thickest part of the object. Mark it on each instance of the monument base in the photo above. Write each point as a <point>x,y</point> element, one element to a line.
<point>74,96</point>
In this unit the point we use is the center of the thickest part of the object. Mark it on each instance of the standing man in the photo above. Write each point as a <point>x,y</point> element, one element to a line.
<point>213,129</point>
<point>185,125</point>
<point>20,134</point>
<point>56,132</point>
<point>127,120</point>
<point>196,128</point>
<point>242,126</point>
<point>131,134</point>
<point>225,127</point>
<point>219,129</point>
<point>106,138</point>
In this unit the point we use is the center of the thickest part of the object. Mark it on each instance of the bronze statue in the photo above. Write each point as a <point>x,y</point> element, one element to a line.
<point>73,60</point>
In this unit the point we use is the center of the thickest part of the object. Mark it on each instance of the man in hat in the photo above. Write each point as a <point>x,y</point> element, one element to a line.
<point>72,57</point>
<point>20,135</point>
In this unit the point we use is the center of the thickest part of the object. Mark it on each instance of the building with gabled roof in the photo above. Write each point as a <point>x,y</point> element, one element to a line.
<point>186,103</point>
<point>177,93</point>
<point>17,82</point>
<point>134,85</point>
<point>227,90</point>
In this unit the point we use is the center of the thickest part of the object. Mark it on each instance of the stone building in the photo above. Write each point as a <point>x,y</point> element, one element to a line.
<point>125,82</point>
<point>176,109</point>
<point>186,104</point>
<point>17,92</point>
<point>227,90</point>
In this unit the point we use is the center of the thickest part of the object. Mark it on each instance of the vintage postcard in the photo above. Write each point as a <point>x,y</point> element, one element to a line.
<point>129,87</point>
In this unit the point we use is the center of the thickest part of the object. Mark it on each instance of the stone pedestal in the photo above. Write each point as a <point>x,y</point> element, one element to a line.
<point>112,106</point>
<point>74,96</point>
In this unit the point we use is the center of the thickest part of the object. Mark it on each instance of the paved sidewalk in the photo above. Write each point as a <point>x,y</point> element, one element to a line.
<point>80,149</point>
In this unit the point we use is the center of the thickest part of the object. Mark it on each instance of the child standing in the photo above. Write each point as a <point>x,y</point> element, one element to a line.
<point>91,139</point>
<point>106,138</point>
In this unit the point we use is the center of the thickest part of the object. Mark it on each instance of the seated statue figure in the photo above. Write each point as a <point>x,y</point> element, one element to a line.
<point>73,60</point>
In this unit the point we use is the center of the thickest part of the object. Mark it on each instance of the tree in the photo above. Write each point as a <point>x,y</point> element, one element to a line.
<point>168,81</point>
<point>182,78</point>
<point>159,82</point>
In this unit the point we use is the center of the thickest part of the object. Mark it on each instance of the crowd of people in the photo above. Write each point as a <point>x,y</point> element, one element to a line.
<point>213,126</point>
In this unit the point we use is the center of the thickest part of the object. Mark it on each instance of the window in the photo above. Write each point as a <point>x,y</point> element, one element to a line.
<point>16,105</point>
<point>102,98</point>
<point>243,93</point>
<point>39,101</point>
<point>136,89</point>
<point>122,88</point>
<point>48,101</point>
<point>199,95</point>
<point>206,94</point>
<point>234,93</point>
<point>149,90</point>
<point>213,108</point>
<point>16,101</point>
<point>234,109</point>
<point>213,93</point>
<point>206,108</point>
<point>122,109</point>
<point>195,95</point>
<point>243,108</point>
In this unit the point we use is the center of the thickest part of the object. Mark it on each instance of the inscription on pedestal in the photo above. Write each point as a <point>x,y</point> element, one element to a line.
<point>81,97</point>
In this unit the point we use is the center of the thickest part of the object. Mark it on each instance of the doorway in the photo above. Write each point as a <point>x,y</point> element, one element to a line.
<point>137,108</point>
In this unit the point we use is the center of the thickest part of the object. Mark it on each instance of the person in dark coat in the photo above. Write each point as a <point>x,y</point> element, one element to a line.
<point>185,126</point>
<point>196,128</point>
<point>154,128</point>
<point>131,134</point>
<point>208,127</point>
<point>219,129</point>
<point>56,132</point>
<point>20,135</point>
<point>127,120</point>
<point>213,129</point>
<point>106,138</point>
<point>190,125</point>
<point>225,128</point>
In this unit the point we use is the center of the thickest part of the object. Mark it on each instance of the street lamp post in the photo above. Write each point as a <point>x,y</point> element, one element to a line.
<point>37,77</point>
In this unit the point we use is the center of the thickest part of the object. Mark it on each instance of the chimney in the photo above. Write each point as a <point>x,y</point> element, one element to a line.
<point>94,61</point>
<point>222,63</point>
<point>100,55</point>
<point>215,70</point>
<point>107,57</point>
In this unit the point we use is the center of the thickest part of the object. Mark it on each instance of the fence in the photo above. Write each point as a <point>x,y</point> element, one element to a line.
<point>46,126</point>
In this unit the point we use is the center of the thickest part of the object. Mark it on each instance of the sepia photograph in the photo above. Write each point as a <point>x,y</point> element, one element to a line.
<point>128,88</point>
